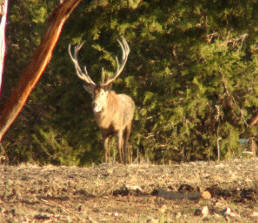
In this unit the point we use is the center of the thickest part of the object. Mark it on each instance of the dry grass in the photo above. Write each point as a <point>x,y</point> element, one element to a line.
<point>132,193</point>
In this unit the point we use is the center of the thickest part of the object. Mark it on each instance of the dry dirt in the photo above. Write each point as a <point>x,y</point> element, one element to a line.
<point>187,192</point>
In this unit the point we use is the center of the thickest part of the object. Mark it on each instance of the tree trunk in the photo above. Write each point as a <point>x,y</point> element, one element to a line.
<point>3,14</point>
<point>37,65</point>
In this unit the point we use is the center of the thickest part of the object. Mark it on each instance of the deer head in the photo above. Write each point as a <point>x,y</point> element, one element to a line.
<point>99,92</point>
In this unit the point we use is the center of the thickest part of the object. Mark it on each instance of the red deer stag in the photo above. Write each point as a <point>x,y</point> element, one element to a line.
<point>113,112</point>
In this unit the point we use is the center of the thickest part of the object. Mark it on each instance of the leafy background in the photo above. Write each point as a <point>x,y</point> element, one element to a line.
<point>192,72</point>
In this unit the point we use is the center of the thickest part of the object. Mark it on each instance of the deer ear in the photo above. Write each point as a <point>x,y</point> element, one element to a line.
<point>89,89</point>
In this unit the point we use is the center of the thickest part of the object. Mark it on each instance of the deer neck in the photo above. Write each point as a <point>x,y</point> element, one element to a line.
<point>104,117</point>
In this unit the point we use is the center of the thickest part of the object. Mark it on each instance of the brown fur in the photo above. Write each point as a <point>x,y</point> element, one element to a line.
<point>116,119</point>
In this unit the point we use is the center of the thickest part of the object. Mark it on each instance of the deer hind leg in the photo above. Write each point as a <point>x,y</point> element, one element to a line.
<point>120,145</point>
<point>127,152</point>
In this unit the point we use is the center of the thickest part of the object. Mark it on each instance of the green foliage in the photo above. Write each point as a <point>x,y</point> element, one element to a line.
<point>192,72</point>
<point>54,148</point>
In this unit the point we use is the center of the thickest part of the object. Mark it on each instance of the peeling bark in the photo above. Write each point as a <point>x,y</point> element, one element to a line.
<point>37,65</point>
<point>3,14</point>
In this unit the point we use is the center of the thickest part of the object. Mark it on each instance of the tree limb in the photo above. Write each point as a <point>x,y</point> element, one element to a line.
<point>3,14</point>
<point>37,65</point>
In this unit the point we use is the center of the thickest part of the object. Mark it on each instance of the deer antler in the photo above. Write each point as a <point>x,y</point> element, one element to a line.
<point>74,57</point>
<point>119,66</point>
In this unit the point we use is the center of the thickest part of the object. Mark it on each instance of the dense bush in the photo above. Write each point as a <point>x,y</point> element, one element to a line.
<point>192,72</point>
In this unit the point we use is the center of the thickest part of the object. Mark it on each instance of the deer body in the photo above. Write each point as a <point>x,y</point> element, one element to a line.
<point>113,112</point>
<point>116,119</point>
<point>118,112</point>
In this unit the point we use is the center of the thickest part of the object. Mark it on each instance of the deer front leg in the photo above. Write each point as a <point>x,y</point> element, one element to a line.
<point>120,145</point>
<point>106,141</point>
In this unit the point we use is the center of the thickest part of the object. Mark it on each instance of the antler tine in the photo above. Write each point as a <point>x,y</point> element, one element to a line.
<point>103,75</point>
<point>85,70</point>
<point>120,66</point>
<point>74,57</point>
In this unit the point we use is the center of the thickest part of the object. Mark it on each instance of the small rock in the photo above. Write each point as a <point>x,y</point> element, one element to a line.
<point>206,195</point>
<point>227,212</point>
<point>205,211</point>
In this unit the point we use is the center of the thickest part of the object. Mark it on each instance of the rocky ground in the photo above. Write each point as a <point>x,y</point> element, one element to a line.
<point>186,192</point>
